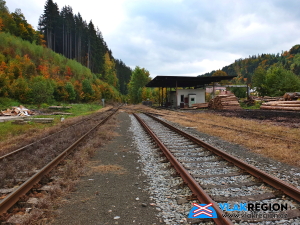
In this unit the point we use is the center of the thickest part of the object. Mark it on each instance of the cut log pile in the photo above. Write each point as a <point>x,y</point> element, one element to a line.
<point>282,105</point>
<point>290,96</point>
<point>267,98</point>
<point>200,105</point>
<point>17,111</point>
<point>224,102</point>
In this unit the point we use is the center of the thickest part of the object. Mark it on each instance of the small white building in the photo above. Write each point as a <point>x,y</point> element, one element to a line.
<point>187,97</point>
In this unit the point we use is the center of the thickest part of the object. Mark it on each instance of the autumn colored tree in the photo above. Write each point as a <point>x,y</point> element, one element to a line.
<point>110,75</point>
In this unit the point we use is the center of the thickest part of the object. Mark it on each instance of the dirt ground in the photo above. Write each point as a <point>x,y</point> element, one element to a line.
<point>283,118</point>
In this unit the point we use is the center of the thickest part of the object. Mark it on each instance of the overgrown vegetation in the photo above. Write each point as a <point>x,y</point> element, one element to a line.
<point>31,73</point>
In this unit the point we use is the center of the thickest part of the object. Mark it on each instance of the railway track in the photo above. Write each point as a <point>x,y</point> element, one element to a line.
<point>243,129</point>
<point>53,135</point>
<point>216,177</point>
<point>39,158</point>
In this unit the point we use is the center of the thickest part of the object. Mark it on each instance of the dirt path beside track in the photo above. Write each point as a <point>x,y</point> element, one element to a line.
<point>114,191</point>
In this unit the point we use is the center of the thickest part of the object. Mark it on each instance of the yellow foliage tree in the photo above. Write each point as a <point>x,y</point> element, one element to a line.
<point>110,74</point>
<point>221,73</point>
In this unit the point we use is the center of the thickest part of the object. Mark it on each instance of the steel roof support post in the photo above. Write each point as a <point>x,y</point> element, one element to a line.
<point>176,102</point>
<point>158,96</point>
<point>248,91</point>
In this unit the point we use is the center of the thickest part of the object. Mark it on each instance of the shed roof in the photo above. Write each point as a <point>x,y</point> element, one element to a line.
<point>184,81</point>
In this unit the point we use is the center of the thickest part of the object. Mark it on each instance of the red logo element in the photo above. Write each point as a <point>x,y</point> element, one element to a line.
<point>202,210</point>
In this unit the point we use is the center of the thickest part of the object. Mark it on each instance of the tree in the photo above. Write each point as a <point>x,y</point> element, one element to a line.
<point>48,23</point>
<point>276,81</point>
<point>259,81</point>
<point>71,91</point>
<point>221,73</point>
<point>87,89</point>
<point>110,75</point>
<point>42,90</point>
<point>140,77</point>
<point>279,81</point>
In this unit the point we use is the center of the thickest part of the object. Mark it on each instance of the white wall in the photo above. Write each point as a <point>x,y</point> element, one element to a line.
<point>200,95</point>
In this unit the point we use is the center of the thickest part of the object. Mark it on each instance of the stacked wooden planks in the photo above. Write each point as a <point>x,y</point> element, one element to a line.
<point>224,102</point>
<point>282,105</point>
<point>200,105</point>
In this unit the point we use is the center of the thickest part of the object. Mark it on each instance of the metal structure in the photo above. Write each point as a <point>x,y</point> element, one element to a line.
<point>165,82</point>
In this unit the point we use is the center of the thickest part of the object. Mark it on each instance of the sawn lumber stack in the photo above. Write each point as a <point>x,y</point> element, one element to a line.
<point>200,105</point>
<point>282,105</point>
<point>224,102</point>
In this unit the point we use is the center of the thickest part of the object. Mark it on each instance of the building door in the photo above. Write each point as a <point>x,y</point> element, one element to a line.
<point>192,100</point>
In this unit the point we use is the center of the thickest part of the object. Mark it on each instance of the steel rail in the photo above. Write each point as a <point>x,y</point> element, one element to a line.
<point>201,195</point>
<point>247,130</point>
<point>275,182</point>
<point>14,197</point>
<point>48,136</point>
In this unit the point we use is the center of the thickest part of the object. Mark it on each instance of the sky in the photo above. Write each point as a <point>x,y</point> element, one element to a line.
<point>184,37</point>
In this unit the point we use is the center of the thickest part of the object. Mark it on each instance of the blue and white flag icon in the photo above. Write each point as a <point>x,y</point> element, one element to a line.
<point>203,211</point>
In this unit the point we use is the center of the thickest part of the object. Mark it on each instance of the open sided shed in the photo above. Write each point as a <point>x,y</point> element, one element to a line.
<point>195,92</point>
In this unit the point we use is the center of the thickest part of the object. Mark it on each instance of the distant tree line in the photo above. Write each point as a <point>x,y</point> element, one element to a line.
<point>269,74</point>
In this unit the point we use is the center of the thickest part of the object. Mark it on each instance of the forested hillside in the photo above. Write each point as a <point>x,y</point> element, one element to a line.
<point>66,60</point>
<point>73,37</point>
<point>270,74</point>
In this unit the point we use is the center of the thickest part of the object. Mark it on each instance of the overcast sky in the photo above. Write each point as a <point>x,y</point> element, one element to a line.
<point>184,37</point>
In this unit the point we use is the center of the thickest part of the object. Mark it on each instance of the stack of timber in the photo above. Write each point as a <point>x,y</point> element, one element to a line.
<point>200,105</point>
<point>290,96</point>
<point>267,98</point>
<point>282,105</point>
<point>224,102</point>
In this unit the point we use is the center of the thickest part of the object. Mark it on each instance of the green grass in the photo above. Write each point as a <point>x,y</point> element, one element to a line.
<point>255,106</point>
<point>7,129</point>
<point>7,103</point>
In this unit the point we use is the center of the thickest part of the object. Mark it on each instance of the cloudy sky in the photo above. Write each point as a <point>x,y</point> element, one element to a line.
<point>184,37</point>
